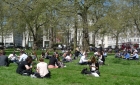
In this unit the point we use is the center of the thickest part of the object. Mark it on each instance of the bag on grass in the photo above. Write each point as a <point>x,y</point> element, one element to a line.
<point>85,71</point>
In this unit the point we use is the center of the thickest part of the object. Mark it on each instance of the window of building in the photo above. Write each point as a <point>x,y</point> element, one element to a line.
<point>138,40</point>
<point>134,40</point>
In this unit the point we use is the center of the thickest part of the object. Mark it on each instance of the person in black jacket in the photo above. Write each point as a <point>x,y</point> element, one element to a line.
<point>76,54</point>
<point>3,59</point>
<point>25,67</point>
<point>53,62</point>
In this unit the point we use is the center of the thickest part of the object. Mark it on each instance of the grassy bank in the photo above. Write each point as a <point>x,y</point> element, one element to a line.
<point>115,72</point>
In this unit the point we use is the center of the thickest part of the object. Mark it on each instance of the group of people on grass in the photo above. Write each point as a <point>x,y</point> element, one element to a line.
<point>26,63</point>
<point>129,54</point>
<point>93,62</point>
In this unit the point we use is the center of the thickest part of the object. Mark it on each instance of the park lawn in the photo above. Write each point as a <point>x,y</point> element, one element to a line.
<point>115,72</point>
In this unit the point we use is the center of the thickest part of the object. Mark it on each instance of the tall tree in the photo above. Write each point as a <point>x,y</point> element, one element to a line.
<point>33,14</point>
<point>134,13</point>
<point>3,17</point>
<point>115,20</point>
<point>96,15</point>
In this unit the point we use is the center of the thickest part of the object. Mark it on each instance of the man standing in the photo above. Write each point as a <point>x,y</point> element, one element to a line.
<point>3,59</point>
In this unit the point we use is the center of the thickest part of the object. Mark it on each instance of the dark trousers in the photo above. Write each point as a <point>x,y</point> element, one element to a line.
<point>46,76</point>
<point>84,63</point>
<point>26,72</point>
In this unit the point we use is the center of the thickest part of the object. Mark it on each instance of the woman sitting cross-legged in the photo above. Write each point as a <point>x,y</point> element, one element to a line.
<point>42,70</point>
<point>94,67</point>
<point>24,67</point>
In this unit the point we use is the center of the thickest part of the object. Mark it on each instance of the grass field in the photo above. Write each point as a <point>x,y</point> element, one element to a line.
<point>115,72</point>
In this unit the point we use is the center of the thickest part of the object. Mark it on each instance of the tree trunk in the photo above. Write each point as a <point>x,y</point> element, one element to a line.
<point>51,37</point>
<point>117,39</point>
<point>35,44</point>
<point>36,41</point>
<point>93,38</point>
<point>85,30</point>
<point>75,35</point>
<point>2,37</point>
<point>75,31</point>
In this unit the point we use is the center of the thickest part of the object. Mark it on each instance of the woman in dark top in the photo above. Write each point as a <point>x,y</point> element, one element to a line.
<point>94,66</point>
<point>94,63</point>
<point>24,67</point>
<point>53,62</point>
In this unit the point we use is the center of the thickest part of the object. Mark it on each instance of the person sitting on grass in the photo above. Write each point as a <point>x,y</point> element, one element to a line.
<point>94,67</point>
<point>68,57</point>
<point>41,70</point>
<point>3,59</point>
<point>13,58</point>
<point>84,60</point>
<point>126,55</point>
<point>53,61</point>
<point>25,67</point>
<point>34,56</point>
<point>101,59</point>
<point>60,63</point>
<point>64,55</point>
<point>43,54</point>
<point>47,56</point>
<point>135,56</point>
<point>76,54</point>
<point>105,53</point>
<point>118,54</point>
<point>23,56</point>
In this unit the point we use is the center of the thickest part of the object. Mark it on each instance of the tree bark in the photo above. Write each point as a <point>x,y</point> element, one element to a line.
<point>85,30</point>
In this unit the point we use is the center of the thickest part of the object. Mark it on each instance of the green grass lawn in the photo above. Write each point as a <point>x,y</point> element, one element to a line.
<point>115,72</point>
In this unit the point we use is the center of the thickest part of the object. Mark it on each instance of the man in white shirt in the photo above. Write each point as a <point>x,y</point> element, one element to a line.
<point>23,56</point>
<point>13,57</point>
<point>84,60</point>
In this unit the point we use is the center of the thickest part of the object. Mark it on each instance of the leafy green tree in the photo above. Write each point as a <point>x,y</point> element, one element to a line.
<point>3,17</point>
<point>96,16</point>
<point>33,15</point>
<point>134,13</point>
<point>115,20</point>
